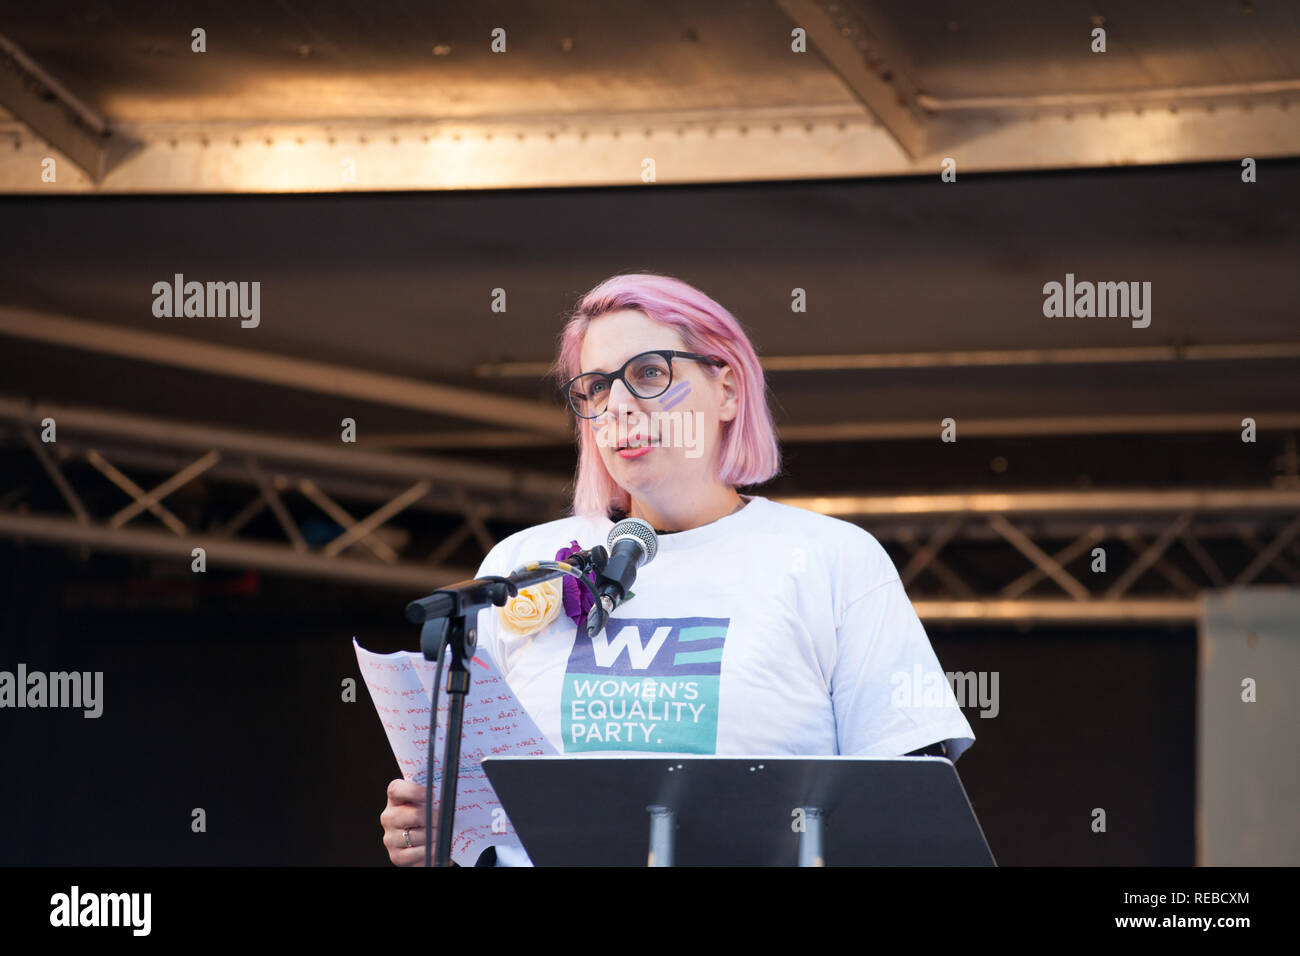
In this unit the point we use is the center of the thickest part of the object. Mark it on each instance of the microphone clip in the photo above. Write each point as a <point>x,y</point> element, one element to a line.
<point>591,562</point>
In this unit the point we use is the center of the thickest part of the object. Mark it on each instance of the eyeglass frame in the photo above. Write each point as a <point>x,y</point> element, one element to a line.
<point>618,376</point>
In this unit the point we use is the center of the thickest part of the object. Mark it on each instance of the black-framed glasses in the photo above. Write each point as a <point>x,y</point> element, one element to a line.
<point>647,375</point>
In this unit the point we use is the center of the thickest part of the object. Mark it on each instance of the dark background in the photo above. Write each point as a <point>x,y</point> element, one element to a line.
<point>233,704</point>
<point>225,695</point>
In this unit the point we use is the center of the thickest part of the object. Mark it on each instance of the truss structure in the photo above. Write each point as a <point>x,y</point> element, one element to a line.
<point>965,558</point>
<point>291,479</point>
<point>1031,556</point>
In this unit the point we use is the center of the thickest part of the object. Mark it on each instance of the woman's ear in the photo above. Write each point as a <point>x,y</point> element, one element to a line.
<point>729,407</point>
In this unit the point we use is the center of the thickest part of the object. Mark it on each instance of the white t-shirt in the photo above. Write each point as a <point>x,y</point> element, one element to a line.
<point>772,630</point>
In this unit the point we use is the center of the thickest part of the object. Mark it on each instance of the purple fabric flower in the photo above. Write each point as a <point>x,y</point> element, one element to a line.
<point>577,599</point>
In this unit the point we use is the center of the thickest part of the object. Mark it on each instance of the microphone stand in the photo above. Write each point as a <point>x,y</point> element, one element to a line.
<point>446,616</point>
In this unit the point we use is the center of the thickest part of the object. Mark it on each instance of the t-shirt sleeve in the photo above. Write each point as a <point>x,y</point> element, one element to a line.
<point>888,691</point>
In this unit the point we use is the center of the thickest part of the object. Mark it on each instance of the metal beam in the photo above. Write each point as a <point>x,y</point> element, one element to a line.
<point>1277,562</point>
<point>376,518</point>
<point>269,447</point>
<point>474,520</point>
<point>225,552</point>
<point>182,477</point>
<point>1046,425</point>
<point>565,151</point>
<point>1149,556</point>
<point>1062,558</point>
<point>46,106</point>
<point>1053,502</point>
<point>871,72</point>
<point>411,441</point>
<point>155,507</point>
<point>512,508</point>
<point>344,519</point>
<point>410,579</point>
<point>1151,97</point>
<point>1202,558</point>
<point>950,578</point>
<point>1177,423</point>
<point>937,527</point>
<point>281,513</point>
<point>926,553</point>
<point>1221,526</point>
<point>968,358</point>
<point>52,469</point>
<point>1040,558</point>
<point>729,145</point>
<point>1128,611</point>
<point>1265,557</point>
<point>1167,569</point>
<point>259,366</point>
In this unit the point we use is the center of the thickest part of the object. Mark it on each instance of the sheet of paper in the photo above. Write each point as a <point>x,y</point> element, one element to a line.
<point>495,724</point>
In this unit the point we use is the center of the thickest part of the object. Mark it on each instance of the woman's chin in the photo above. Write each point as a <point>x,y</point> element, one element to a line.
<point>636,474</point>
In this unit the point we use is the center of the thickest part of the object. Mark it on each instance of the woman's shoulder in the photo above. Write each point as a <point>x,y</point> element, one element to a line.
<point>540,542</point>
<point>826,528</point>
<point>844,544</point>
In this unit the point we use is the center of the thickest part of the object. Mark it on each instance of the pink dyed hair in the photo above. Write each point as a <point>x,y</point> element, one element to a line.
<point>749,453</point>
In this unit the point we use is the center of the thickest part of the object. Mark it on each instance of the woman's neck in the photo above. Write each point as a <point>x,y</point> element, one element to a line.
<point>688,514</point>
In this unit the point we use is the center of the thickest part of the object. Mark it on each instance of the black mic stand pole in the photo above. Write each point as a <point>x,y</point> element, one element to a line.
<point>446,616</point>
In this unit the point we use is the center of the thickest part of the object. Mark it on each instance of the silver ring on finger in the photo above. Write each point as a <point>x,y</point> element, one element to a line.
<point>407,835</point>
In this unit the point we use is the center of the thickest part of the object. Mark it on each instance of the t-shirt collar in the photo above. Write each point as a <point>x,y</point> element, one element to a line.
<point>706,533</point>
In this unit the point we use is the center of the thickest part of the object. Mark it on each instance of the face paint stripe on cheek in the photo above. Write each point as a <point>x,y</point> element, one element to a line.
<point>675,395</point>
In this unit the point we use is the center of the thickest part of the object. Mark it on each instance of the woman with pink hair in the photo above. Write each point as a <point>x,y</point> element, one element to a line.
<point>724,391</point>
<point>758,628</point>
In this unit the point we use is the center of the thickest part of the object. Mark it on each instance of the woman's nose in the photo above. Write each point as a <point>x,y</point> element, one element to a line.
<point>620,397</point>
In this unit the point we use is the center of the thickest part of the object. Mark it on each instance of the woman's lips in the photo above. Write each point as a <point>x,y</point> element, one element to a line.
<point>634,452</point>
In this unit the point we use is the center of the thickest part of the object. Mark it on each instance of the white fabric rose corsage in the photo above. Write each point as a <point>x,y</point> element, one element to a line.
<point>532,609</point>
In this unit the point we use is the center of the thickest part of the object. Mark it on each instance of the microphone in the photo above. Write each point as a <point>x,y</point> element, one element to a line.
<point>631,544</point>
<point>493,589</point>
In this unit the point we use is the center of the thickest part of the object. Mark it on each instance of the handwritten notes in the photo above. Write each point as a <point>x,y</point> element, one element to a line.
<point>401,686</point>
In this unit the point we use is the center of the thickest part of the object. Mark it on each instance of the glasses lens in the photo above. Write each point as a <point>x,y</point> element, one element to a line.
<point>648,375</point>
<point>589,395</point>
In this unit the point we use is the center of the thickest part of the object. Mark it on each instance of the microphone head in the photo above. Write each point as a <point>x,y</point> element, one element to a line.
<point>635,529</point>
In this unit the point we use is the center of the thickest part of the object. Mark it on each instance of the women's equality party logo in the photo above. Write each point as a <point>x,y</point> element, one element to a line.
<point>645,684</point>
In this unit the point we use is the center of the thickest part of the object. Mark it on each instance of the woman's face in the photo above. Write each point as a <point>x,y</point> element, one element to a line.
<point>673,438</point>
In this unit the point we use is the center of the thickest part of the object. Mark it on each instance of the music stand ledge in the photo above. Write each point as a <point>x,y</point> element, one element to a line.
<point>690,810</point>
